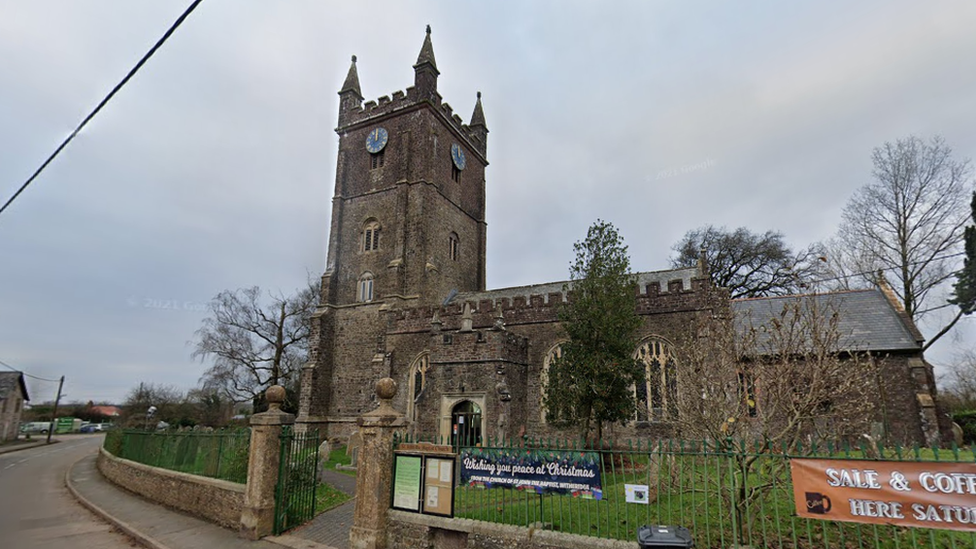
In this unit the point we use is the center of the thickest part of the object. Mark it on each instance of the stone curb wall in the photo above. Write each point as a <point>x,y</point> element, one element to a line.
<point>408,530</point>
<point>215,500</point>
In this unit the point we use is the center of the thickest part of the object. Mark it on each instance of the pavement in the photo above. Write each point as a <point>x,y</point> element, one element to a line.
<point>22,444</point>
<point>158,527</point>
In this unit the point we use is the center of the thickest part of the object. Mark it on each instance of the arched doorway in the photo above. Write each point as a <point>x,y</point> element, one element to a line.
<point>465,424</point>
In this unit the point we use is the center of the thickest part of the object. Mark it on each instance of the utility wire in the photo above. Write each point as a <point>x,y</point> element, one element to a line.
<point>108,97</point>
<point>2,363</point>
<point>865,273</point>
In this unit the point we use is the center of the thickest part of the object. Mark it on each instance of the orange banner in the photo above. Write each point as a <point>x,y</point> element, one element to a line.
<point>921,494</point>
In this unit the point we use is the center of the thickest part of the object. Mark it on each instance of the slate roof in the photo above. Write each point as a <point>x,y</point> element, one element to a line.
<point>643,279</point>
<point>868,321</point>
<point>9,382</point>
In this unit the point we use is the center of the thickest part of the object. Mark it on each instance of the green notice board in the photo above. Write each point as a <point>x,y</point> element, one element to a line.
<point>406,483</point>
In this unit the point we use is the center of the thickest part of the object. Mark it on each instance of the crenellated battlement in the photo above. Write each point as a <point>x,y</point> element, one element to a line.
<point>663,291</point>
<point>387,104</point>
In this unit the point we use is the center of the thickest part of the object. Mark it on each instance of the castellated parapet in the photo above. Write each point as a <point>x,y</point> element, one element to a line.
<point>658,292</point>
<point>353,113</point>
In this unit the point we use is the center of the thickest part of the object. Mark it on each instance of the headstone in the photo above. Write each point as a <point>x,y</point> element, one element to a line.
<point>324,449</point>
<point>352,448</point>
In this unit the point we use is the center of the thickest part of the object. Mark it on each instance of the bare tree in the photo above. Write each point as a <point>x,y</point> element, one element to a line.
<point>837,268</point>
<point>167,402</point>
<point>958,384</point>
<point>748,264</point>
<point>909,220</point>
<point>776,379</point>
<point>760,387</point>
<point>254,345</point>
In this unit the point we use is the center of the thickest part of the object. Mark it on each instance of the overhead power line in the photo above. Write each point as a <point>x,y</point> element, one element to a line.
<point>2,363</point>
<point>108,97</point>
<point>893,269</point>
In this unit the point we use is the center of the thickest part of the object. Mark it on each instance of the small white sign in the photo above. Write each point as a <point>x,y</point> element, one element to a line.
<point>637,493</point>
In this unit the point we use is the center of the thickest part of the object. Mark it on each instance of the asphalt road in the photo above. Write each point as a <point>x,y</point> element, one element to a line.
<point>36,510</point>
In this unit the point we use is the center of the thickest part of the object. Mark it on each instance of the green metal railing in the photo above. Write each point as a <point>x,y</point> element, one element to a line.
<point>218,454</point>
<point>728,493</point>
<point>297,484</point>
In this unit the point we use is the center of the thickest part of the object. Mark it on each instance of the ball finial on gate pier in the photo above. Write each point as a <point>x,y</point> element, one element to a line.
<point>275,395</point>
<point>386,388</point>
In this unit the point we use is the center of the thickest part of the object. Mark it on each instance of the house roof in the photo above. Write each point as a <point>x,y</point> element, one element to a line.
<point>867,321</point>
<point>110,411</point>
<point>9,381</point>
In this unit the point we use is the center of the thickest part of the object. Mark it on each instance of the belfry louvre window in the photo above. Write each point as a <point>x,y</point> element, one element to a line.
<point>371,236</point>
<point>376,160</point>
<point>453,246</point>
<point>365,293</point>
<point>455,174</point>
<point>657,396</point>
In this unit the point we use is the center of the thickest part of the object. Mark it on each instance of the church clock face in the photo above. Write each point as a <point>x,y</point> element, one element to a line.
<point>457,155</point>
<point>376,140</point>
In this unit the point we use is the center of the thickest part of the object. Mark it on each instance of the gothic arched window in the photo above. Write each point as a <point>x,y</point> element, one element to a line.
<point>656,397</point>
<point>365,287</point>
<point>371,235</point>
<point>417,383</point>
<point>554,354</point>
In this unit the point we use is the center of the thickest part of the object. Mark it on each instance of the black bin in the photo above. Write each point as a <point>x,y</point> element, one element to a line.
<point>658,537</point>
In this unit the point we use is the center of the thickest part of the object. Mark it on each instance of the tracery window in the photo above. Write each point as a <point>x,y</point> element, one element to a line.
<point>657,396</point>
<point>365,293</point>
<point>371,236</point>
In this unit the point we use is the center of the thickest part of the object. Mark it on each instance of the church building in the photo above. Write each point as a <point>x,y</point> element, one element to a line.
<point>403,294</point>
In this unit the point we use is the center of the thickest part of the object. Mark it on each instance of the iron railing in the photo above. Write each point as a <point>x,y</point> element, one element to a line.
<point>728,493</point>
<point>297,487</point>
<point>218,454</point>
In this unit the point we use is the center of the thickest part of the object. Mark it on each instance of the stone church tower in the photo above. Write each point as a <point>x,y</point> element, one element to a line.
<point>408,229</point>
<point>403,296</point>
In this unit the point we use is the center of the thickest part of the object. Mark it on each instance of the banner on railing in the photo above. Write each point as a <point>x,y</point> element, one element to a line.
<point>921,494</point>
<point>558,471</point>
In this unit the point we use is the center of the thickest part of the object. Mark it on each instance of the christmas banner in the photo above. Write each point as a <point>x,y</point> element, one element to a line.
<point>543,471</point>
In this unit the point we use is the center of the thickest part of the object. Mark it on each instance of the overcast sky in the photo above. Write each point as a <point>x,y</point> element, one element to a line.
<point>213,168</point>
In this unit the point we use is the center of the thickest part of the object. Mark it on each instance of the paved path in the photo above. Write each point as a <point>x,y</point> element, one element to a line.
<point>36,511</point>
<point>332,527</point>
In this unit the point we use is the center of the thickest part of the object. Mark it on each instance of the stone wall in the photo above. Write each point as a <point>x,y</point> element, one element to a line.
<point>413,531</point>
<point>10,413</point>
<point>215,500</point>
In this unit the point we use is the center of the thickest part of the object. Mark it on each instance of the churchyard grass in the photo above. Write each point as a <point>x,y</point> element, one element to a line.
<point>327,497</point>
<point>337,456</point>
<point>699,486</point>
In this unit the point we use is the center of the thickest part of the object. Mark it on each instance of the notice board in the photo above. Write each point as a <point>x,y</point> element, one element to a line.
<point>439,486</point>
<point>406,482</point>
<point>424,479</point>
